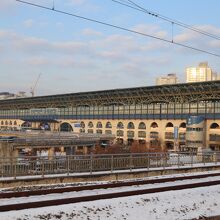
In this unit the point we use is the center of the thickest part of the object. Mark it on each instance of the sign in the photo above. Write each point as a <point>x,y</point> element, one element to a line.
<point>176,129</point>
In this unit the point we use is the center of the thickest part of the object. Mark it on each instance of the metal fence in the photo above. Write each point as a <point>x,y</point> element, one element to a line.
<point>27,166</point>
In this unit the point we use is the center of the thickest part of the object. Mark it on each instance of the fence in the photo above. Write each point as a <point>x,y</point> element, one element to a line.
<point>26,166</point>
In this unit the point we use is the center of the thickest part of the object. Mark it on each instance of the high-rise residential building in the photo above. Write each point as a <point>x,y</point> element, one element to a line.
<point>167,80</point>
<point>199,74</point>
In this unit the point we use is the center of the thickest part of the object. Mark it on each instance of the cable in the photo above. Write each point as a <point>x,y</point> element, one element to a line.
<point>137,7</point>
<point>117,27</point>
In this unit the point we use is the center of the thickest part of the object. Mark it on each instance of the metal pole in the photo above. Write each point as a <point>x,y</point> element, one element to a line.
<point>148,161</point>
<point>42,161</point>
<point>68,165</point>
<point>178,160</point>
<point>164,160</point>
<point>112,165</point>
<point>191,159</point>
<point>14,164</point>
<point>91,158</point>
<point>2,166</point>
<point>130,162</point>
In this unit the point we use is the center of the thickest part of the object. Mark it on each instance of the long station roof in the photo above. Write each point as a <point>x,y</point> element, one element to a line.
<point>178,93</point>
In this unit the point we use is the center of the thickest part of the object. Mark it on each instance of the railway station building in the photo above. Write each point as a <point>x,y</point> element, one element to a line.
<point>182,117</point>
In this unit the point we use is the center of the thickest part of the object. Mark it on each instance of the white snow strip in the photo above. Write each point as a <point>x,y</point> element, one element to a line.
<point>99,191</point>
<point>172,205</point>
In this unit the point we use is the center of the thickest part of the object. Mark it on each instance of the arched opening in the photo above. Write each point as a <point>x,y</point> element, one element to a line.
<point>120,140</point>
<point>130,125</point>
<point>10,123</point>
<point>82,127</point>
<point>169,145</point>
<point>169,125</point>
<point>183,125</point>
<point>15,122</point>
<point>90,124</point>
<point>154,125</point>
<point>142,126</point>
<point>214,126</point>
<point>26,124</point>
<point>108,125</point>
<point>120,125</point>
<point>82,124</point>
<point>44,126</point>
<point>2,122</point>
<point>6,122</point>
<point>66,127</point>
<point>141,141</point>
<point>99,125</point>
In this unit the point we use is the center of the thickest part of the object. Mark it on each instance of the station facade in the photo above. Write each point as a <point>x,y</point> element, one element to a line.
<point>156,115</point>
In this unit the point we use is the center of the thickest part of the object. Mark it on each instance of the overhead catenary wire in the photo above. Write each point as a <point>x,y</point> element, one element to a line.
<point>117,27</point>
<point>133,5</point>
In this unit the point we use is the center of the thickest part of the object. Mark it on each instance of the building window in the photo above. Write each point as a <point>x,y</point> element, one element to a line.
<point>90,124</point>
<point>154,125</point>
<point>120,125</point>
<point>142,134</point>
<point>142,126</point>
<point>99,131</point>
<point>130,134</point>
<point>90,131</point>
<point>120,133</point>
<point>108,132</point>
<point>108,125</point>
<point>99,125</point>
<point>130,125</point>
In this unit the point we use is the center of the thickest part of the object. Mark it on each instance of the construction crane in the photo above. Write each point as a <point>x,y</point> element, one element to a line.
<point>34,87</point>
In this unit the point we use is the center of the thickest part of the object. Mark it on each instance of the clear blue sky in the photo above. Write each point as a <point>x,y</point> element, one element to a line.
<point>74,55</point>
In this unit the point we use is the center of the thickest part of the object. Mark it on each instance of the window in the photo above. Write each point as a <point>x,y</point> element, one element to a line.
<point>120,125</point>
<point>142,125</point>
<point>99,125</point>
<point>142,134</point>
<point>108,125</point>
<point>130,125</point>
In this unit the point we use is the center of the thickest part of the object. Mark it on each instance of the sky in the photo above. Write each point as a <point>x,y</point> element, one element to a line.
<point>74,55</point>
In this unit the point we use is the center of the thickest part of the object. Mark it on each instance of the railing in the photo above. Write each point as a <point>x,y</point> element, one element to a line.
<point>27,166</point>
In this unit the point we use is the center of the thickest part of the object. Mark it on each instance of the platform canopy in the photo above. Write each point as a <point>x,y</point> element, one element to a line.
<point>177,93</point>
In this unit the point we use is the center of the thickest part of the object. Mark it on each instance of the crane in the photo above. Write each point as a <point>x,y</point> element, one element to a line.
<point>34,87</point>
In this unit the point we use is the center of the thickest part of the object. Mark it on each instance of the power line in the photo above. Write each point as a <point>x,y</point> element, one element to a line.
<point>133,5</point>
<point>117,27</point>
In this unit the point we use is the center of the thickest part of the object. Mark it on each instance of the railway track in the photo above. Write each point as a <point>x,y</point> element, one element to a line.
<point>101,186</point>
<point>111,195</point>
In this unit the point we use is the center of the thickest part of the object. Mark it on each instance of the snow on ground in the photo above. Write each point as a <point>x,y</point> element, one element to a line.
<point>56,196</point>
<point>182,204</point>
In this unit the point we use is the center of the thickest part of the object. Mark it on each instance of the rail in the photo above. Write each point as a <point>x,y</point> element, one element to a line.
<point>29,166</point>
